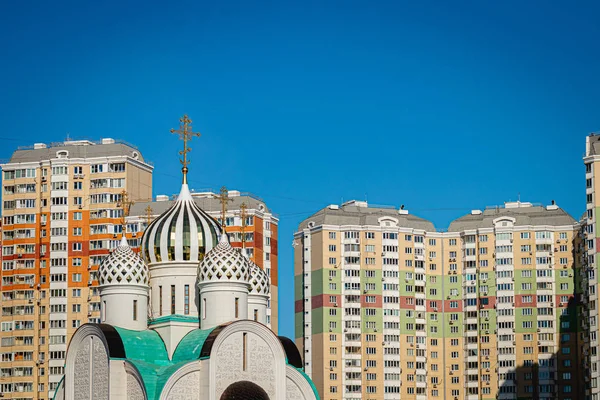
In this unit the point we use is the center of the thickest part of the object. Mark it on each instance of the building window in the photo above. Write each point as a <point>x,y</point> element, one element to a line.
<point>186,299</point>
<point>160,300</point>
<point>172,299</point>
<point>103,311</point>
<point>135,310</point>
<point>237,307</point>
<point>255,314</point>
<point>203,308</point>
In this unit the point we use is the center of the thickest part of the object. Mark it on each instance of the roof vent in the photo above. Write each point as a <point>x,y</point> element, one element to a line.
<point>476,212</point>
<point>402,211</point>
<point>39,146</point>
<point>233,193</point>
<point>333,207</point>
<point>517,204</point>
<point>356,203</point>
<point>162,197</point>
<point>108,141</point>
<point>552,206</point>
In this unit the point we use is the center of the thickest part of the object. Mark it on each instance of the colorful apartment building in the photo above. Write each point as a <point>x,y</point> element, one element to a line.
<point>387,307</point>
<point>62,212</point>
<point>591,261</point>
<point>248,222</point>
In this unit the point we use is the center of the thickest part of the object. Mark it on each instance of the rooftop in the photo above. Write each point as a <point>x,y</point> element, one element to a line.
<point>361,213</point>
<point>76,149</point>
<point>524,214</point>
<point>593,148</point>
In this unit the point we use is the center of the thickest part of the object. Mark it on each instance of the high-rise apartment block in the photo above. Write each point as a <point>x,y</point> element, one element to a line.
<point>590,262</point>
<point>387,307</point>
<point>61,214</point>
<point>248,221</point>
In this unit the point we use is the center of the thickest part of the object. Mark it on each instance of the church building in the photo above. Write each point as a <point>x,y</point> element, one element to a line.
<point>185,319</point>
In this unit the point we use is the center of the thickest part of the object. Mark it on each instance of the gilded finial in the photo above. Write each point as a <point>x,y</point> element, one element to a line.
<point>125,207</point>
<point>185,133</point>
<point>243,215</point>
<point>224,199</point>
<point>149,211</point>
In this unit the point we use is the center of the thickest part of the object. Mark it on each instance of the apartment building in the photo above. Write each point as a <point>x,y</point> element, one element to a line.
<point>590,263</point>
<point>388,307</point>
<point>61,213</point>
<point>257,232</point>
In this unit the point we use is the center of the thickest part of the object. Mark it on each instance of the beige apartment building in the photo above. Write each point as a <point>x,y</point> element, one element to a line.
<point>62,212</point>
<point>388,307</point>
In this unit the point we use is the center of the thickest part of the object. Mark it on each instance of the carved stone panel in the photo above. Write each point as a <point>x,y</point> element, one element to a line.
<point>293,392</point>
<point>100,378</point>
<point>82,378</point>
<point>134,390</point>
<point>188,387</point>
<point>259,364</point>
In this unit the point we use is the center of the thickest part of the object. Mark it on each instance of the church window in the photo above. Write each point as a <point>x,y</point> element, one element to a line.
<point>255,314</point>
<point>237,307</point>
<point>203,308</point>
<point>160,300</point>
<point>186,299</point>
<point>172,299</point>
<point>104,311</point>
<point>135,310</point>
<point>244,350</point>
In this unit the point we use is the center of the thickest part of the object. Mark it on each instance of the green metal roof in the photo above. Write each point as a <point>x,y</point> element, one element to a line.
<point>190,346</point>
<point>173,318</point>
<point>146,351</point>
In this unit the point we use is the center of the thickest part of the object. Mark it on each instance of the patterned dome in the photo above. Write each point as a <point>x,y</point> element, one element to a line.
<point>259,280</point>
<point>182,233</point>
<point>224,263</point>
<point>123,267</point>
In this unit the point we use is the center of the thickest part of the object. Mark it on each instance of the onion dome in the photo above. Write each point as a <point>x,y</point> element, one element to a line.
<point>123,267</point>
<point>224,263</point>
<point>182,233</point>
<point>259,280</point>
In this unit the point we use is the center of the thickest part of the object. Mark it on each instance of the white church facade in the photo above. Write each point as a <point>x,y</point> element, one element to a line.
<point>186,320</point>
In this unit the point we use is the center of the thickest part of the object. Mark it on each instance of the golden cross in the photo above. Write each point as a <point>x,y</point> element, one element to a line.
<point>223,199</point>
<point>185,133</point>
<point>125,205</point>
<point>243,215</point>
<point>148,214</point>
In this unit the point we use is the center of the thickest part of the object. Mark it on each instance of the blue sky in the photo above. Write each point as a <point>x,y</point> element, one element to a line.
<point>441,106</point>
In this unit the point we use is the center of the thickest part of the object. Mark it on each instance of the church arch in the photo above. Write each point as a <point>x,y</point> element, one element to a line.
<point>244,390</point>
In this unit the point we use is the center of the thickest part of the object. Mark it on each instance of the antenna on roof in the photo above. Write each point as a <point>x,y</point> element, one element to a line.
<point>519,197</point>
<point>68,139</point>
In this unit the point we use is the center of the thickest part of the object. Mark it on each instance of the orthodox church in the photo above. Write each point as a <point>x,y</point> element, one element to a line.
<point>186,320</point>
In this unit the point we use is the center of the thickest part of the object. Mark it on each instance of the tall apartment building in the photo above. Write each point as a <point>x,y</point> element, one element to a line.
<point>61,214</point>
<point>591,262</point>
<point>260,231</point>
<point>387,307</point>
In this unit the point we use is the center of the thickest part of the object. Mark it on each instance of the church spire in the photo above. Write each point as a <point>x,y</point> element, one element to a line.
<point>185,134</point>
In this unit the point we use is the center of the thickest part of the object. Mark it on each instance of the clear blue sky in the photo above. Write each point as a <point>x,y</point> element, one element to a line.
<point>441,106</point>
